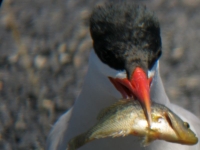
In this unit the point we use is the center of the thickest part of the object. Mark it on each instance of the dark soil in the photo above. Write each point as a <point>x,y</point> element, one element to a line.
<point>44,48</point>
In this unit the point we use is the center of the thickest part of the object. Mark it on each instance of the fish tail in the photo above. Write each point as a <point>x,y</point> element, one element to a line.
<point>77,142</point>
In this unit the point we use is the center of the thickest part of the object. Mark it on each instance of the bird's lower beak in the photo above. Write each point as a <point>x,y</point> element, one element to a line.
<point>138,86</point>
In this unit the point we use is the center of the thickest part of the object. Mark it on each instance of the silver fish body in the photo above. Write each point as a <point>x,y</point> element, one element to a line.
<point>127,117</point>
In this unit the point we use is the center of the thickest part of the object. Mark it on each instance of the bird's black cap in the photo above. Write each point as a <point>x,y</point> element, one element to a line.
<point>125,36</point>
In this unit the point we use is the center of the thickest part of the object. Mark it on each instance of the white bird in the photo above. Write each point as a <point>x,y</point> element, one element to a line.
<point>126,39</point>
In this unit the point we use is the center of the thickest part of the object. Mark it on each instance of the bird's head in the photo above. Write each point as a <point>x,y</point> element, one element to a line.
<point>126,37</point>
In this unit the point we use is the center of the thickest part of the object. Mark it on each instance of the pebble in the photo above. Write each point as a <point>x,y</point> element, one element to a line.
<point>173,92</point>
<point>177,53</point>
<point>13,58</point>
<point>85,14</point>
<point>48,104</point>
<point>6,21</point>
<point>50,107</point>
<point>62,48</point>
<point>40,61</point>
<point>20,125</point>
<point>77,61</point>
<point>86,45</point>
<point>64,58</point>
<point>189,82</point>
<point>191,3</point>
<point>82,32</point>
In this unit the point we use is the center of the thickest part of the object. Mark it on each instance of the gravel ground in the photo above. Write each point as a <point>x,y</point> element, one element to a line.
<point>44,53</point>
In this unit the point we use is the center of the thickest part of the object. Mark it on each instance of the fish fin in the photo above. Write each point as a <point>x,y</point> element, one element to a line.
<point>146,141</point>
<point>149,137</point>
<point>112,108</point>
<point>121,133</point>
<point>78,141</point>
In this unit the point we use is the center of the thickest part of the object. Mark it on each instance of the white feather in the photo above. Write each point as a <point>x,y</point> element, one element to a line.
<point>98,93</point>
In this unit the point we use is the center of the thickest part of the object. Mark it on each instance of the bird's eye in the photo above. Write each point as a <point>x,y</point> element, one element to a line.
<point>186,125</point>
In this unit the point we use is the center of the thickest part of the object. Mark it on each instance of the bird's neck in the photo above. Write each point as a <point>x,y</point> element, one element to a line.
<point>158,93</point>
<point>97,90</point>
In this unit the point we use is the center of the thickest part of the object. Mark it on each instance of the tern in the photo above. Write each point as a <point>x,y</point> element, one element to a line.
<point>124,63</point>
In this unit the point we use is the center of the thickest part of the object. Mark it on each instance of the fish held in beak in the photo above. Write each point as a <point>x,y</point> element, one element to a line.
<point>127,117</point>
<point>138,86</point>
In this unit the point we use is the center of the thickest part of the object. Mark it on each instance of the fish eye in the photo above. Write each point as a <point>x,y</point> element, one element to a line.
<point>186,125</point>
<point>160,120</point>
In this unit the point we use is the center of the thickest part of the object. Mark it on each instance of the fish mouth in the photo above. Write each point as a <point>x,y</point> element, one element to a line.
<point>189,140</point>
<point>182,129</point>
<point>137,87</point>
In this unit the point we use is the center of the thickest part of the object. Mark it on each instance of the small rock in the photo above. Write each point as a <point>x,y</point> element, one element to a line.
<point>177,53</point>
<point>191,3</point>
<point>82,32</point>
<point>40,61</point>
<point>189,82</point>
<point>85,14</point>
<point>13,58</point>
<point>48,104</point>
<point>20,124</point>
<point>64,58</point>
<point>77,61</point>
<point>86,45</point>
<point>62,48</point>
<point>6,21</point>
<point>173,92</point>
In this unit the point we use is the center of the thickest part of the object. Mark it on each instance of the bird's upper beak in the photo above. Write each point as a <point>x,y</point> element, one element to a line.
<point>137,86</point>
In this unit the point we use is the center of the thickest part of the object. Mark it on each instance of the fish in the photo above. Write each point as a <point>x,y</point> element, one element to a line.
<point>127,117</point>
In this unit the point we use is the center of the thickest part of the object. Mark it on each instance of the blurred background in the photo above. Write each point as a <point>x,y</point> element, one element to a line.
<point>44,48</point>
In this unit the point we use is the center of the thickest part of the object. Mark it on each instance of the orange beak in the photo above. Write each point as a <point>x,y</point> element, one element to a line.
<point>138,86</point>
